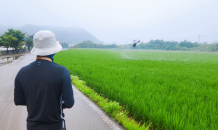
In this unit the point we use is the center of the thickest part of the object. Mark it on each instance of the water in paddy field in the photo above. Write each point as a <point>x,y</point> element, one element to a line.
<point>8,59</point>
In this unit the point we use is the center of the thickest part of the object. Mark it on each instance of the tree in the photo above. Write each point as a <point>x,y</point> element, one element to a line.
<point>1,43</point>
<point>160,44</point>
<point>7,40</point>
<point>17,34</point>
<point>112,46</point>
<point>20,45</point>
<point>90,44</point>
<point>188,44</point>
<point>29,41</point>
<point>64,44</point>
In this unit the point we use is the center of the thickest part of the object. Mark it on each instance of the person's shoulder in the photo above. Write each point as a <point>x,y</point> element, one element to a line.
<point>59,67</point>
<point>27,66</point>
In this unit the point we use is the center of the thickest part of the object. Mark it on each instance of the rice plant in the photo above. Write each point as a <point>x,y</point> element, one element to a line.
<point>174,90</point>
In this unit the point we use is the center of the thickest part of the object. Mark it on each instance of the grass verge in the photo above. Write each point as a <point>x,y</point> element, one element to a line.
<point>112,108</point>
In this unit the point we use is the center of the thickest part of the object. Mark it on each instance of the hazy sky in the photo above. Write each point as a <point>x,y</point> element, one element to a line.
<point>120,20</point>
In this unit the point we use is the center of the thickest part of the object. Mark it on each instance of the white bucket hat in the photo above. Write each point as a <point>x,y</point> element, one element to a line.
<point>45,43</point>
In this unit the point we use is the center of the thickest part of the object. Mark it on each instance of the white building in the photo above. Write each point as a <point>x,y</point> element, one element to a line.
<point>4,49</point>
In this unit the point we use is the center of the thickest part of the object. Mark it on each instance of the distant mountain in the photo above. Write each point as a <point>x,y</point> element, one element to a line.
<point>71,35</point>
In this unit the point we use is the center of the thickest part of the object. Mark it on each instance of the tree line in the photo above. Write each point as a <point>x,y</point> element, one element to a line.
<point>90,44</point>
<point>64,44</point>
<point>155,44</point>
<point>174,45</point>
<point>15,39</point>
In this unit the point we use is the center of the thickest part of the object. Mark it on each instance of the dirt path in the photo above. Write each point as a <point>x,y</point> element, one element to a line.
<point>85,115</point>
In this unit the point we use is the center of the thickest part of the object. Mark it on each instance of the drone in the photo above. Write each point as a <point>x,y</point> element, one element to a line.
<point>135,42</point>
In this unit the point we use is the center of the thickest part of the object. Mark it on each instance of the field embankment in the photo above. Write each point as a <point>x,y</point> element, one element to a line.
<point>174,90</point>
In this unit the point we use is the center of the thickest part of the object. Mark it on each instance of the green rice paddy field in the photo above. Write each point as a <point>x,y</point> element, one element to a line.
<point>173,90</point>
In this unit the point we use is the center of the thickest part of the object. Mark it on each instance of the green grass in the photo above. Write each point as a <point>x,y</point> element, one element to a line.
<point>110,107</point>
<point>173,90</point>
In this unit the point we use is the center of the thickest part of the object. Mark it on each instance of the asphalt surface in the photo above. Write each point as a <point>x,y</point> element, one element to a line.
<point>84,115</point>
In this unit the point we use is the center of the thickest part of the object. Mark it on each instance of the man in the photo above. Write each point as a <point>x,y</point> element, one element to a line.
<point>44,86</point>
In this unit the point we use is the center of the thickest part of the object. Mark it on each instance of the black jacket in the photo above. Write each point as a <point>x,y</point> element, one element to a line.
<point>45,88</point>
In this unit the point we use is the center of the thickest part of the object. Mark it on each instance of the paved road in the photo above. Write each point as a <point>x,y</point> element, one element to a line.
<point>85,115</point>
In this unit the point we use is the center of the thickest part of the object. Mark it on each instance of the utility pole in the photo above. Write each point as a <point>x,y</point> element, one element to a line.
<point>199,39</point>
